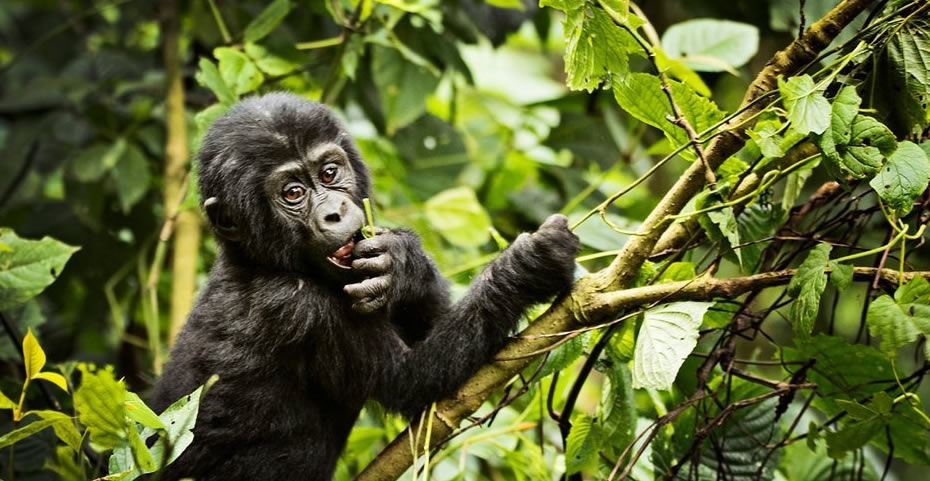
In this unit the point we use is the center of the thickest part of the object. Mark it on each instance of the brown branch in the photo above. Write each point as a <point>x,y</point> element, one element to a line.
<point>587,304</point>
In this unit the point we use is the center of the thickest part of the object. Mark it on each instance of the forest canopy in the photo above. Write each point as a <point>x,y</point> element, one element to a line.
<point>748,180</point>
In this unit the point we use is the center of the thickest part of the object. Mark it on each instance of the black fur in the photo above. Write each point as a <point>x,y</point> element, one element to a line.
<point>299,351</point>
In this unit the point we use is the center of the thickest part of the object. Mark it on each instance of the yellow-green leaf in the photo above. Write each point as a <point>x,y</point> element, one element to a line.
<point>33,354</point>
<point>54,378</point>
<point>5,402</point>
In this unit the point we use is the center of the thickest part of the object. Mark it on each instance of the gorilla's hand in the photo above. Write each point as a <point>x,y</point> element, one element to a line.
<point>376,260</point>
<point>545,259</point>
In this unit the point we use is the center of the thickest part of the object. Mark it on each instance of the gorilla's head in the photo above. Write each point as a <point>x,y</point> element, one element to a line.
<point>283,185</point>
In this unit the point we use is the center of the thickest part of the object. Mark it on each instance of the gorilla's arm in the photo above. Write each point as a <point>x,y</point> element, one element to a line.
<point>468,334</point>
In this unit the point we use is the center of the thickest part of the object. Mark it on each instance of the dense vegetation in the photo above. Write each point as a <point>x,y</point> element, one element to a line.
<point>749,180</point>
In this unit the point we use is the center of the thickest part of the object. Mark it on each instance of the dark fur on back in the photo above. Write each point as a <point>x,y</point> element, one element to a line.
<point>296,361</point>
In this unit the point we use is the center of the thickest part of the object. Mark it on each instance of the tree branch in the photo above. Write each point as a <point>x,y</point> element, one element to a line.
<point>591,300</point>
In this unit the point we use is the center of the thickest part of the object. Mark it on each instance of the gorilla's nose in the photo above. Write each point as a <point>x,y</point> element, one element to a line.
<point>336,212</point>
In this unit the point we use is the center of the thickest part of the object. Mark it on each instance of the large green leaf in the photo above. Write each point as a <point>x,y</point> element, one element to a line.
<point>34,427</point>
<point>237,70</point>
<point>903,71</point>
<point>27,267</point>
<point>666,338</point>
<point>402,86</point>
<point>97,159</point>
<point>100,406</point>
<point>904,177</point>
<point>641,95</point>
<point>806,287</point>
<point>582,444</point>
<point>711,45</point>
<point>808,110</point>
<point>267,20</point>
<point>459,217</point>
<point>869,143</point>
<point>617,414</point>
<point>901,320</point>
<point>865,422</point>
<point>842,113</point>
<point>595,48</point>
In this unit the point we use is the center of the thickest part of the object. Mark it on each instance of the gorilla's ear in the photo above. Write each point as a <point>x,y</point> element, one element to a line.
<point>224,227</point>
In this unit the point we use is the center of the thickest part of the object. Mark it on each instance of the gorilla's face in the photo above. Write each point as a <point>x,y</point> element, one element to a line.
<point>316,194</point>
<point>284,184</point>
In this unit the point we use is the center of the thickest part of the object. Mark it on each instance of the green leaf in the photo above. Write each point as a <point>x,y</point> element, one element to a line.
<point>677,271</point>
<point>267,20</point>
<point>137,410</point>
<point>581,445</point>
<point>843,111</point>
<point>757,222</point>
<point>273,63</point>
<point>725,220</point>
<point>667,336</point>
<point>34,427</point>
<point>131,175</point>
<point>903,72</point>
<point>564,355</point>
<point>237,70</point>
<point>617,415</point>
<point>140,453</point>
<point>65,430</point>
<point>808,110</point>
<point>641,95</point>
<point>588,32</point>
<point>209,77</point>
<point>901,320</point>
<point>806,287</point>
<point>904,177</point>
<point>402,86</point>
<point>711,45</point>
<point>459,217</point>
<point>841,275</point>
<point>180,418</point>
<point>29,266</point>
<point>100,407</point>
<point>767,137</point>
<point>54,378</point>
<point>97,159</point>
<point>869,143</point>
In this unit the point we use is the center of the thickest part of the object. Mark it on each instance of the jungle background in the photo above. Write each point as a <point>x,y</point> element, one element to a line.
<point>478,120</point>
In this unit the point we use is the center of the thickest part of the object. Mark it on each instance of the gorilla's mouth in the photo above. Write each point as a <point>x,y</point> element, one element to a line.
<point>342,257</point>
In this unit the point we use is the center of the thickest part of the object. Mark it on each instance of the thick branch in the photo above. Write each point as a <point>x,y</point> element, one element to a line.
<point>590,301</point>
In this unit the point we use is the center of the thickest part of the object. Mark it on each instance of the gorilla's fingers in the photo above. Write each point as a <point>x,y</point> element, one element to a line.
<point>373,265</point>
<point>376,286</point>
<point>372,246</point>
<point>369,304</point>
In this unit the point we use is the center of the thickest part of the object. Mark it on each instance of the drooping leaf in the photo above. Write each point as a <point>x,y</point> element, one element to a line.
<point>903,71</point>
<point>588,29</point>
<point>806,287</point>
<point>27,267</point>
<point>617,414</point>
<point>140,452</point>
<point>267,20</point>
<point>459,217</point>
<point>808,110</point>
<point>867,421</point>
<point>24,432</point>
<point>903,178</point>
<point>667,336</point>
<point>5,402</point>
<point>711,45</point>
<point>64,429</point>
<point>725,220</point>
<point>767,137</point>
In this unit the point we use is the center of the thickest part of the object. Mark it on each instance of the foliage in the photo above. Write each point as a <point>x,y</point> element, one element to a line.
<point>478,121</point>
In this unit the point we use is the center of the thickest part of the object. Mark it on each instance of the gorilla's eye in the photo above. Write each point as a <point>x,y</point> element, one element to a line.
<point>328,174</point>
<point>294,193</point>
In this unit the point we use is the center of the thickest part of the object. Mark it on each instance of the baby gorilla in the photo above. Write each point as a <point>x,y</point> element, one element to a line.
<point>303,319</point>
